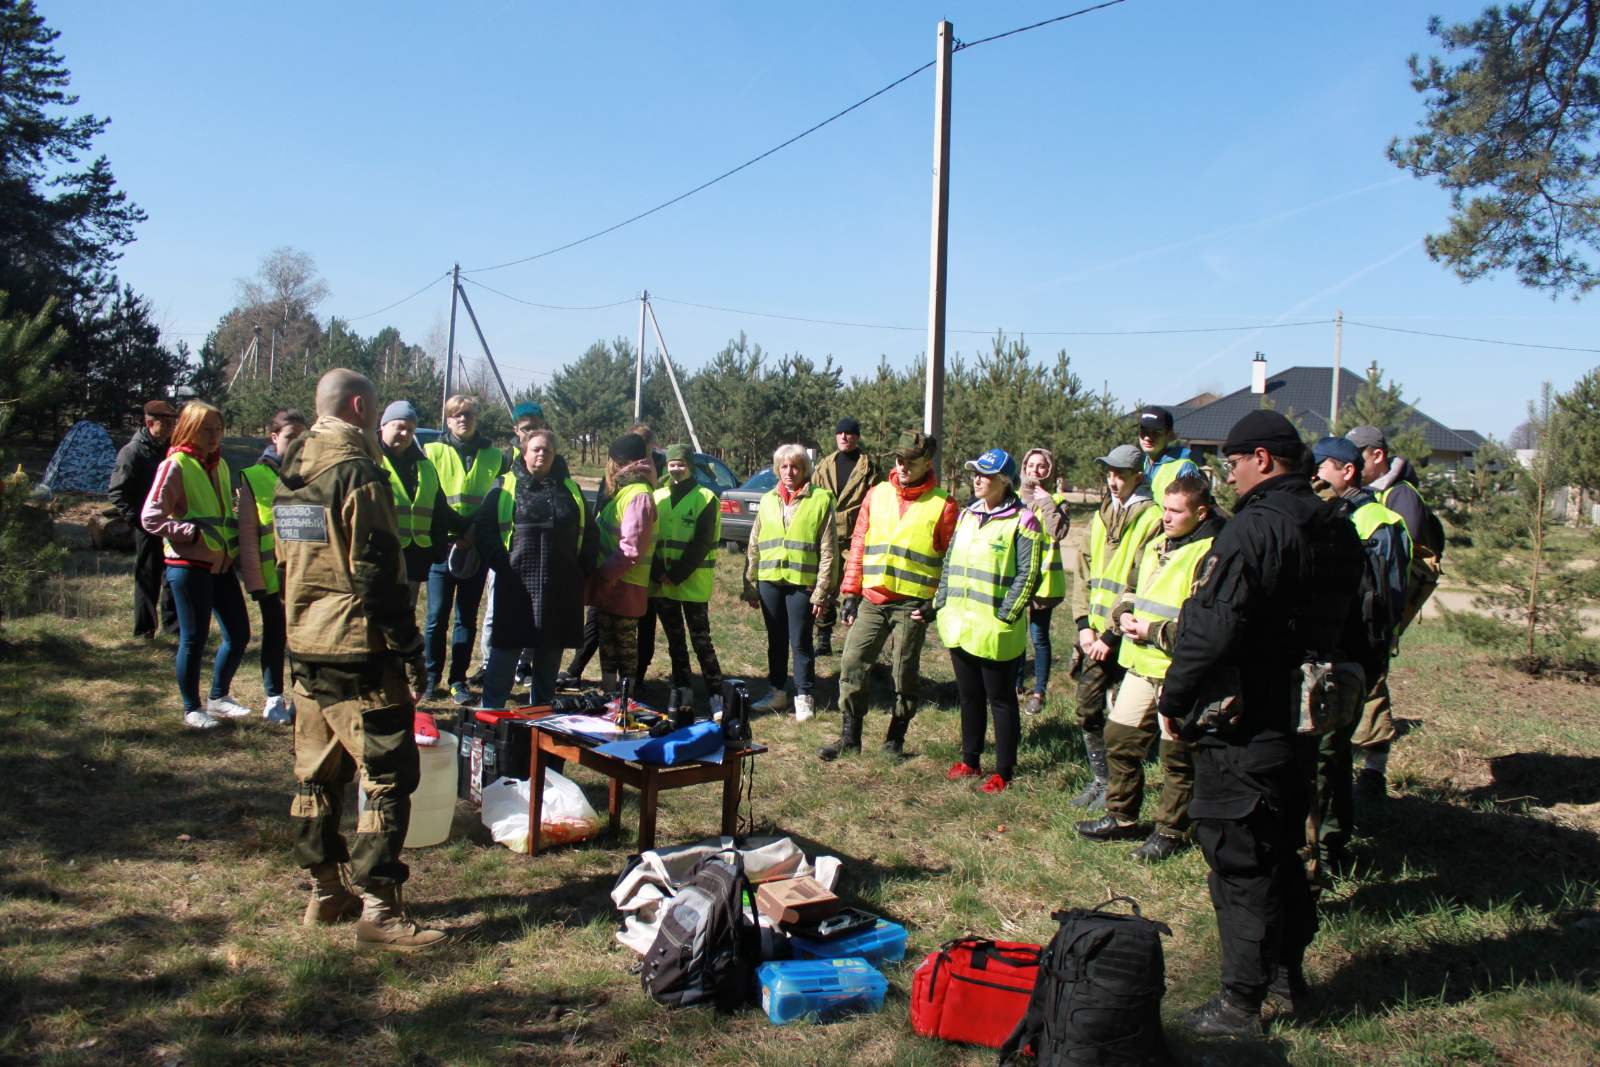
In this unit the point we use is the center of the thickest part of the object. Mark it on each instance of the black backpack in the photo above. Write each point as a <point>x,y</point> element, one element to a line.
<point>1098,996</point>
<point>708,948</point>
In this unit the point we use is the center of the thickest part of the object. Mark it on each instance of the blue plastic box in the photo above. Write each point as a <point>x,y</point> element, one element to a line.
<point>882,942</point>
<point>829,989</point>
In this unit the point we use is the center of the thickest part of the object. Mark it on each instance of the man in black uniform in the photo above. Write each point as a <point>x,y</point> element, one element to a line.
<point>130,482</point>
<point>1278,589</point>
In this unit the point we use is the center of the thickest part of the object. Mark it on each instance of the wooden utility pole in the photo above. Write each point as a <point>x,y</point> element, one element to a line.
<point>450,345</point>
<point>933,399</point>
<point>638,359</point>
<point>1338,351</point>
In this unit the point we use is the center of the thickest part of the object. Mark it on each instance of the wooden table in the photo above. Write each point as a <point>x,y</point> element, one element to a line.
<point>648,778</point>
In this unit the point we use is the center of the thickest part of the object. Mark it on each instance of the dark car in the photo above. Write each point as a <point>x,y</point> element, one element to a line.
<point>739,507</point>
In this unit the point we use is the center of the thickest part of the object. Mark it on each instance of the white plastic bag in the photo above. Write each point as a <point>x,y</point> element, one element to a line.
<point>567,815</point>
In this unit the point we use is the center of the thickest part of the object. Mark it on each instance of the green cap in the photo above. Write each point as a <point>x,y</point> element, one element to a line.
<point>914,444</point>
<point>680,452</point>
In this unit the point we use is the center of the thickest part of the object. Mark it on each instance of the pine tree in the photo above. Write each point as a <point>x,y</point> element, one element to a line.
<point>1580,431</point>
<point>1383,405</point>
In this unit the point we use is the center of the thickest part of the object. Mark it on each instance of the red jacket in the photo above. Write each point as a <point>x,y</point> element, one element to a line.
<point>943,533</point>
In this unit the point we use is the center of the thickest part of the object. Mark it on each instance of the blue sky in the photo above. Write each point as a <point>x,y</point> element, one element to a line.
<point>1153,166</point>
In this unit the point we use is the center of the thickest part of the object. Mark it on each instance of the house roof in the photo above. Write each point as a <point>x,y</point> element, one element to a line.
<point>1303,392</point>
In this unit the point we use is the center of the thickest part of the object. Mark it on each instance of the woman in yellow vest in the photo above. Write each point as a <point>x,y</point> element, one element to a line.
<point>258,562</point>
<point>190,507</point>
<point>468,465</point>
<point>990,574</point>
<point>688,527</point>
<point>1050,508</point>
<point>790,572</point>
<point>619,589</point>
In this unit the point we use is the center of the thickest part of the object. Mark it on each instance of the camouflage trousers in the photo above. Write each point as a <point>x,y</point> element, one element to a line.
<point>673,614</point>
<point>353,720</point>
<point>619,644</point>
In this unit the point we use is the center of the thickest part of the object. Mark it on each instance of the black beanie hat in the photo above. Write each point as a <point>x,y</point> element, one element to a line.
<point>629,448</point>
<point>1264,429</point>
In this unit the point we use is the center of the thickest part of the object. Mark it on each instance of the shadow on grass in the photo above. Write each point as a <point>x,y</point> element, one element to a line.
<point>1542,779</point>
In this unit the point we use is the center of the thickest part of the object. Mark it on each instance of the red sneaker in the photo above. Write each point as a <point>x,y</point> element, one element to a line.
<point>995,784</point>
<point>425,730</point>
<point>961,770</point>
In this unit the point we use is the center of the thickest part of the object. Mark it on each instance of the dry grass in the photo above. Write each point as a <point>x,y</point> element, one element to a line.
<point>149,904</point>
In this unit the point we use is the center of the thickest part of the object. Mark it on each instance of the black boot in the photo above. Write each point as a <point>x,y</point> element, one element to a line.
<point>823,645</point>
<point>894,742</point>
<point>1289,992</point>
<point>1221,1016</point>
<point>1158,846</point>
<point>1093,796</point>
<point>849,740</point>
<point>1108,828</point>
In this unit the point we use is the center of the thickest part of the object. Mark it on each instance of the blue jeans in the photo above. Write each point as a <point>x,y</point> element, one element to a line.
<point>466,594</point>
<point>500,673</point>
<point>198,595</point>
<point>1039,635</point>
<point>786,609</point>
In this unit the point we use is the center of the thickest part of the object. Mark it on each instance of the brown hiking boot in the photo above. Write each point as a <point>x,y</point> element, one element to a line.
<point>385,928</point>
<point>331,900</point>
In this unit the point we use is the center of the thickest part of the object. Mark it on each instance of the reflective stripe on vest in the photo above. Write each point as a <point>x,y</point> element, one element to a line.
<point>464,489</point>
<point>899,554</point>
<point>610,523</point>
<point>1053,582</point>
<point>978,572</point>
<point>213,515</point>
<point>508,505</point>
<point>1108,572</point>
<point>263,481</point>
<point>675,526</point>
<point>1163,587</point>
<point>791,554</point>
<point>414,515</point>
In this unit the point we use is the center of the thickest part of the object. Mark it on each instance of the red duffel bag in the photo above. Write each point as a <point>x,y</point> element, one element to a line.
<point>973,990</point>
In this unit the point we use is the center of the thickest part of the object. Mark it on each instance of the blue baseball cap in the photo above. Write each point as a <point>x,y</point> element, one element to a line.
<point>995,461</point>
<point>1339,449</point>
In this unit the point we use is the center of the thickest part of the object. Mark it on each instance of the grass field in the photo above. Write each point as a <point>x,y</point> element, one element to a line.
<point>149,908</point>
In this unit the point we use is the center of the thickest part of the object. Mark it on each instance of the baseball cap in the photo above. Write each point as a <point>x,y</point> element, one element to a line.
<point>1266,429</point>
<point>1123,458</point>
<point>1341,450</point>
<point>914,444</point>
<point>681,453</point>
<point>995,461</point>
<point>1367,437</point>
<point>526,409</point>
<point>1154,417</point>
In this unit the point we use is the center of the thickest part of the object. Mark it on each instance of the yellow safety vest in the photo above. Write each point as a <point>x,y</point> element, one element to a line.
<point>1371,515</point>
<point>210,508</point>
<point>1108,571</point>
<point>1163,587</point>
<point>464,489</point>
<point>675,526</point>
<point>1053,583</point>
<point>263,480</point>
<point>415,514</point>
<point>899,554</point>
<point>508,505</point>
<point>610,524</point>
<point>1162,474</point>
<point>791,554</point>
<point>978,572</point>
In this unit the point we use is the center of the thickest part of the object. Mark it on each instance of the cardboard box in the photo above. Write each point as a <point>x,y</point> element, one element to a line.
<point>795,900</point>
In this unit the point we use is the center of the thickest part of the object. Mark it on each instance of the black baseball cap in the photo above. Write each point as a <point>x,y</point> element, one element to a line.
<point>1154,417</point>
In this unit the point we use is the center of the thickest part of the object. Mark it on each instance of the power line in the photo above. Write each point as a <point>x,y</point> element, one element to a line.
<point>402,300</point>
<point>1478,340</point>
<point>552,307</point>
<point>780,147</point>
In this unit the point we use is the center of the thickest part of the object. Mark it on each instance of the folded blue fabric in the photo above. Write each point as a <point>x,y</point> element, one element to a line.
<point>701,741</point>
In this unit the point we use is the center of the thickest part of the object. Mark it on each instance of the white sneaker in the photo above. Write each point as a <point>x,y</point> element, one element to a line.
<point>804,707</point>
<point>199,720</point>
<point>277,711</point>
<point>716,708</point>
<point>227,708</point>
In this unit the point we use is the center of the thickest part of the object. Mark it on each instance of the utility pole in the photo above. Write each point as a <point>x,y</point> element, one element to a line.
<point>272,358</point>
<point>638,358</point>
<point>450,347</point>
<point>473,315</point>
<point>255,353</point>
<point>1338,351</point>
<point>666,358</point>
<point>933,400</point>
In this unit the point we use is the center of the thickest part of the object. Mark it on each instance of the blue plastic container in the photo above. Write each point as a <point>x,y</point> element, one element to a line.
<point>882,942</point>
<point>827,989</point>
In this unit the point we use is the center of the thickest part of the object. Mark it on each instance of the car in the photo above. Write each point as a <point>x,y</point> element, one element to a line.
<point>739,507</point>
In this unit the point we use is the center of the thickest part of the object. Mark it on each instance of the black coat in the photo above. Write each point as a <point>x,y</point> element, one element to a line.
<point>538,583</point>
<point>134,473</point>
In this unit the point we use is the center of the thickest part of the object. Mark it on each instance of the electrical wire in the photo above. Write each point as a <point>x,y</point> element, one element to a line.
<point>402,300</point>
<point>1458,337</point>
<point>959,46</point>
<point>552,307</point>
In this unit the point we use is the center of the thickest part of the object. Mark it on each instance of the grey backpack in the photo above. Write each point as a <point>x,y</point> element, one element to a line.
<point>707,948</point>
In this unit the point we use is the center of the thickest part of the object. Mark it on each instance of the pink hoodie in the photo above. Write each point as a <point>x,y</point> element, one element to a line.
<point>159,517</point>
<point>636,536</point>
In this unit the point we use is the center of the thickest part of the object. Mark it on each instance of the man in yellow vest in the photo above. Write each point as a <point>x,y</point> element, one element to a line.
<point>1388,546</point>
<point>1146,616</point>
<point>688,527</point>
<point>849,474</point>
<point>1128,518</point>
<point>468,465</point>
<point>896,551</point>
<point>1164,457</point>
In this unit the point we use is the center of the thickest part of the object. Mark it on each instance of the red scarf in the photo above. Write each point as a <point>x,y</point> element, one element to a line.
<point>208,462</point>
<point>786,496</point>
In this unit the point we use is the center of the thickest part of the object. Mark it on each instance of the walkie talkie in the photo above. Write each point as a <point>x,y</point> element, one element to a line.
<point>735,712</point>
